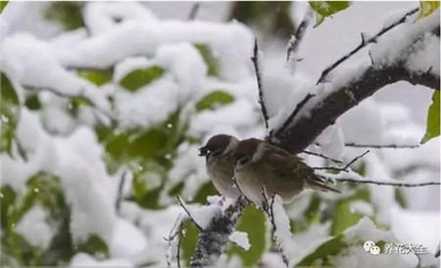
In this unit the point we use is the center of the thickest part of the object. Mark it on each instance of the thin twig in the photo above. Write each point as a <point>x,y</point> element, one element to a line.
<point>120,192</point>
<point>268,208</point>
<point>181,203</point>
<point>238,188</point>
<point>21,150</point>
<point>176,231</point>
<point>376,146</point>
<point>323,156</point>
<point>178,249</point>
<point>365,42</point>
<point>346,167</point>
<point>295,112</point>
<point>194,11</point>
<point>255,60</point>
<point>297,38</point>
<point>396,184</point>
<point>438,251</point>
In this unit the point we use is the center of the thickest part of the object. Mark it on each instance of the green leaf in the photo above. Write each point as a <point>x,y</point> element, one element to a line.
<point>3,4</point>
<point>75,104</point>
<point>66,13</point>
<point>94,246</point>
<point>400,198</point>
<point>9,112</point>
<point>141,77</point>
<point>97,77</point>
<point>45,190</point>
<point>321,255</point>
<point>213,100</point>
<point>427,8</point>
<point>210,60</point>
<point>325,9</point>
<point>157,143</point>
<point>7,198</point>
<point>204,191</point>
<point>253,222</point>
<point>188,242</point>
<point>15,245</point>
<point>432,124</point>
<point>32,102</point>
<point>343,217</point>
<point>145,195</point>
<point>310,216</point>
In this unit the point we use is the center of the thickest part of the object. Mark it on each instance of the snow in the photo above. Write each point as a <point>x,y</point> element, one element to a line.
<point>60,145</point>
<point>127,241</point>
<point>394,46</point>
<point>100,17</point>
<point>362,207</point>
<point>240,239</point>
<point>35,228</point>
<point>85,260</point>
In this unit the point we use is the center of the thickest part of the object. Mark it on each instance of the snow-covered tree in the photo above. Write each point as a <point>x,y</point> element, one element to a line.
<point>104,106</point>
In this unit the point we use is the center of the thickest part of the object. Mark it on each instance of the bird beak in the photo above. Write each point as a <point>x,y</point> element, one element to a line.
<point>203,151</point>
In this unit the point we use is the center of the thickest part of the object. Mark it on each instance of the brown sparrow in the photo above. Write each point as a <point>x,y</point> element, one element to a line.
<point>263,170</point>
<point>219,162</point>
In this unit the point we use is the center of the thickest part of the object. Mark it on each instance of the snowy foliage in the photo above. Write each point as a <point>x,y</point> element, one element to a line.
<point>103,110</point>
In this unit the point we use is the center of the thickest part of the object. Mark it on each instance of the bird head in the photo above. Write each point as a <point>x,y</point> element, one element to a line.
<point>218,145</point>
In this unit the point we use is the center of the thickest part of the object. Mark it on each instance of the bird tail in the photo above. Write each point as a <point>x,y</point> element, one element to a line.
<point>318,183</point>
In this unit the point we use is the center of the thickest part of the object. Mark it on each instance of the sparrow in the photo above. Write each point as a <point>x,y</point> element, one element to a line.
<point>263,170</point>
<point>219,163</point>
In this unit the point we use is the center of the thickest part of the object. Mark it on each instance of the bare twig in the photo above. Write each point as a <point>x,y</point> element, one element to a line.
<point>181,203</point>
<point>297,38</point>
<point>294,113</point>
<point>268,208</point>
<point>346,167</point>
<point>385,183</point>
<point>255,60</point>
<point>377,146</point>
<point>176,231</point>
<point>120,192</point>
<point>194,11</point>
<point>365,42</point>
<point>323,156</point>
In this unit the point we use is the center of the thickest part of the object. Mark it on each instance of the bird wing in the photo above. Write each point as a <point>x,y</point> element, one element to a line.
<point>290,166</point>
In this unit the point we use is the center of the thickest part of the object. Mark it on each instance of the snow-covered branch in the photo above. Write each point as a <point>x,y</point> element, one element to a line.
<point>214,237</point>
<point>392,63</point>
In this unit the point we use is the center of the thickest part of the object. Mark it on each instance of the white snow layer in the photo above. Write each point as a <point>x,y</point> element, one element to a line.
<point>34,227</point>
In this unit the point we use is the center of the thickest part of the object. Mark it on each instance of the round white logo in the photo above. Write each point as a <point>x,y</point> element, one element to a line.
<point>368,245</point>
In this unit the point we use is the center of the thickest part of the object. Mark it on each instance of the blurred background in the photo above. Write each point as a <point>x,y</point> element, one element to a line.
<point>104,105</point>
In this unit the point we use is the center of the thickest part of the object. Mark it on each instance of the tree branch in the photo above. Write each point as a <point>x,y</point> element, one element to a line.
<point>297,38</point>
<point>194,11</point>
<point>386,183</point>
<point>293,114</point>
<point>181,203</point>
<point>364,43</point>
<point>300,134</point>
<point>381,146</point>
<point>255,60</point>
<point>213,239</point>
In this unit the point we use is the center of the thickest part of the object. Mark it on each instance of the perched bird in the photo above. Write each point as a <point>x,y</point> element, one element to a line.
<point>219,162</point>
<point>264,168</point>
